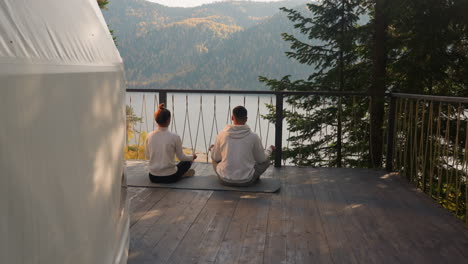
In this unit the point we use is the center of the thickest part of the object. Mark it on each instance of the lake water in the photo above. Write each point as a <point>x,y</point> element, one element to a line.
<point>198,118</point>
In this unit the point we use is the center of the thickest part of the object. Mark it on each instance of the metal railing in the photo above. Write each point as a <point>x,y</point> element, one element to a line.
<point>426,137</point>
<point>276,101</point>
<point>428,144</point>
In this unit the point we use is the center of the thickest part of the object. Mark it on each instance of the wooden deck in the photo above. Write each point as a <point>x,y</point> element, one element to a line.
<point>319,216</point>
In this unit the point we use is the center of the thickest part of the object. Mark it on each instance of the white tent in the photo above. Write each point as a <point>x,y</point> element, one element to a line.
<point>62,133</point>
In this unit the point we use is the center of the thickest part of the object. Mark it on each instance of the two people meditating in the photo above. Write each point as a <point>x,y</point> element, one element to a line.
<point>238,155</point>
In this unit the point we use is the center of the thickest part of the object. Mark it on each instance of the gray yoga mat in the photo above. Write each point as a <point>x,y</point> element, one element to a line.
<point>138,177</point>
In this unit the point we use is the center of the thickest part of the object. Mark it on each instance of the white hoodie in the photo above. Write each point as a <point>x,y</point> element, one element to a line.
<point>238,149</point>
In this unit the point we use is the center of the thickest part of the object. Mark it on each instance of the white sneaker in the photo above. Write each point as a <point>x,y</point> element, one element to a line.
<point>189,173</point>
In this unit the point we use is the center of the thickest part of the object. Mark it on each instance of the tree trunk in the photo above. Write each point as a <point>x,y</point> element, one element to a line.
<point>341,88</point>
<point>377,89</point>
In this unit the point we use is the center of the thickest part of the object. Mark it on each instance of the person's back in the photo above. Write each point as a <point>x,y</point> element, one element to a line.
<point>162,146</point>
<point>238,155</point>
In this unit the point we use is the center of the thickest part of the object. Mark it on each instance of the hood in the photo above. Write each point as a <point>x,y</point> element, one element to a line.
<point>234,131</point>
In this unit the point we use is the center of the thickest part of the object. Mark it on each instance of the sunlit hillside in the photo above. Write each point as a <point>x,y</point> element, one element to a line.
<point>215,46</point>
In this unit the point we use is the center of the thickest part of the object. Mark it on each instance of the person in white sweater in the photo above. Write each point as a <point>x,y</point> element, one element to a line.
<point>238,155</point>
<point>162,146</point>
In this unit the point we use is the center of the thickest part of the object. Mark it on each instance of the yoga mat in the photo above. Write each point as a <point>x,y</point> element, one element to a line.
<point>137,176</point>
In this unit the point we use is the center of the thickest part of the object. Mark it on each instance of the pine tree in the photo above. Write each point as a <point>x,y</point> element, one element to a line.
<point>377,89</point>
<point>102,4</point>
<point>429,52</point>
<point>417,46</point>
<point>334,49</point>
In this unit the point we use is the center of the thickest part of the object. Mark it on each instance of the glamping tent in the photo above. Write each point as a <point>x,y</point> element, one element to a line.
<point>62,133</point>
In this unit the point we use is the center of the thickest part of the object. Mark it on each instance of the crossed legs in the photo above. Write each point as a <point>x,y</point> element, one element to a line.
<point>182,168</point>
<point>259,169</point>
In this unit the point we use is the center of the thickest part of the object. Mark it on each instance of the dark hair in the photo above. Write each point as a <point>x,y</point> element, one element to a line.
<point>240,113</point>
<point>162,115</point>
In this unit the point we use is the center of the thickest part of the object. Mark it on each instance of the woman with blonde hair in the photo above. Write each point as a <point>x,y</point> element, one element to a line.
<point>161,148</point>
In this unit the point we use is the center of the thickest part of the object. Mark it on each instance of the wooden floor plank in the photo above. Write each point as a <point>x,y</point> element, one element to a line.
<point>178,228</point>
<point>333,220</point>
<point>214,234</point>
<point>204,237</point>
<point>245,239</point>
<point>132,193</point>
<point>319,216</point>
<point>373,209</point>
<point>311,244</point>
<point>147,232</point>
<point>143,202</point>
<point>276,243</point>
<point>438,236</point>
<point>357,200</point>
<point>253,246</point>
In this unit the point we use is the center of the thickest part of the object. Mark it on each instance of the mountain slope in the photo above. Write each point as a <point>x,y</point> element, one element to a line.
<point>237,63</point>
<point>215,46</point>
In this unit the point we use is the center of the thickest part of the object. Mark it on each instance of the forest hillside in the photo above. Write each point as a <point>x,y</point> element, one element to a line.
<point>225,45</point>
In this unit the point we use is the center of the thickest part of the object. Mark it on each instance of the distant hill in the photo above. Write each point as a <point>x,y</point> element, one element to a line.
<point>224,45</point>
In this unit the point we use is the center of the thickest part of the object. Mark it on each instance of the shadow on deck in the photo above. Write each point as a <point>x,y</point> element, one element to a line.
<point>319,216</point>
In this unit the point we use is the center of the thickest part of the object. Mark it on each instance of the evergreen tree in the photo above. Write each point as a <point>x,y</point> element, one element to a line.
<point>377,89</point>
<point>415,46</point>
<point>102,4</point>
<point>334,49</point>
<point>429,52</point>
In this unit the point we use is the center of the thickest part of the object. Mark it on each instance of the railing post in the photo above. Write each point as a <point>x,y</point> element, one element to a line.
<point>338,134</point>
<point>163,98</point>
<point>279,130</point>
<point>390,133</point>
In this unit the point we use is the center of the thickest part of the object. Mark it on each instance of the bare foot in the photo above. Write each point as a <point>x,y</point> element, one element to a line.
<point>189,173</point>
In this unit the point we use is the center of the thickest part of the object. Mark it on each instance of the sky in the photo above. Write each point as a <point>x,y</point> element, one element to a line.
<point>192,3</point>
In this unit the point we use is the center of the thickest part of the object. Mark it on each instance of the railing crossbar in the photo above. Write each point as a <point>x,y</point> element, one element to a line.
<point>447,99</point>
<point>284,93</point>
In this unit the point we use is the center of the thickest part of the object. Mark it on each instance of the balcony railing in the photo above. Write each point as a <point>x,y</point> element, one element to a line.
<point>198,116</point>
<point>426,137</point>
<point>428,145</point>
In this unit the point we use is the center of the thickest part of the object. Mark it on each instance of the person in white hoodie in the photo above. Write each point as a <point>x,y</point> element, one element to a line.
<point>162,146</point>
<point>238,156</point>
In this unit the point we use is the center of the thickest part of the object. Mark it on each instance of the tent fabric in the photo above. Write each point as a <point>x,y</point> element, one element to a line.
<point>49,32</point>
<point>62,134</point>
